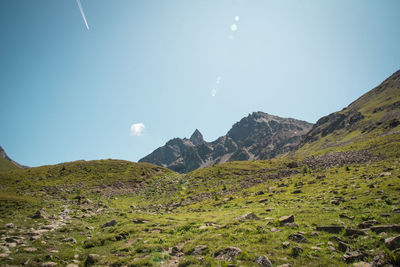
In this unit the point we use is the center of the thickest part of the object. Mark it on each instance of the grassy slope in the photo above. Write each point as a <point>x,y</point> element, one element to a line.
<point>6,165</point>
<point>372,132</point>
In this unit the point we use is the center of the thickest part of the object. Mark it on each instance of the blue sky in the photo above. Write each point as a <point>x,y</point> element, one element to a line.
<point>69,93</point>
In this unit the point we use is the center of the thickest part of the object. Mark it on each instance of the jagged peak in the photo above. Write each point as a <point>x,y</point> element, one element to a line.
<point>197,137</point>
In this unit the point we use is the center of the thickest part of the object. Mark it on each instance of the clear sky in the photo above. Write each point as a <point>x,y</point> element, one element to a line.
<point>171,66</point>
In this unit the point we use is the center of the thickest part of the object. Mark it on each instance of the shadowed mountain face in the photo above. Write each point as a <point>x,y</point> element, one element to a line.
<point>374,114</point>
<point>6,163</point>
<point>257,136</point>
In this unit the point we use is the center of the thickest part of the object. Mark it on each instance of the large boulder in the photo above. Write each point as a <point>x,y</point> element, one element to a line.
<point>227,254</point>
<point>248,216</point>
<point>263,261</point>
<point>393,242</point>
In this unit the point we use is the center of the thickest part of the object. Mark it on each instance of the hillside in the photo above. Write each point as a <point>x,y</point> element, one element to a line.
<point>370,122</point>
<point>6,163</point>
<point>333,202</point>
<point>257,136</point>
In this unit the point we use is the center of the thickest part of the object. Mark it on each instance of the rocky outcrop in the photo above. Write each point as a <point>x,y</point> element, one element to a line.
<point>257,136</point>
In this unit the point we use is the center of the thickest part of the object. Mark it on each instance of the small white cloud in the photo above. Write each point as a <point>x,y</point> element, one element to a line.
<point>137,129</point>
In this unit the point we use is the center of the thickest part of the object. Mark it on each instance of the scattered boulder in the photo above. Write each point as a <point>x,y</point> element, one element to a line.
<point>396,210</point>
<point>248,216</point>
<point>30,249</point>
<point>386,228</point>
<point>352,256</point>
<point>343,247</point>
<point>200,250</point>
<point>362,264</point>
<point>263,261</point>
<point>344,216</point>
<point>353,232</point>
<point>110,223</point>
<point>296,251</point>
<point>69,239</point>
<point>337,200</point>
<point>367,224</point>
<point>393,242</point>
<point>259,193</point>
<point>333,229</point>
<point>298,237</point>
<point>285,244</point>
<point>40,214</point>
<point>49,264</point>
<point>9,225</point>
<point>92,259</point>
<point>286,219</point>
<point>227,253</point>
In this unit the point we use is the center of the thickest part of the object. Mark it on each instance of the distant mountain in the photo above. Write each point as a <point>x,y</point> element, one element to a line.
<point>257,136</point>
<point>375,114</point>
<point>6,163</point>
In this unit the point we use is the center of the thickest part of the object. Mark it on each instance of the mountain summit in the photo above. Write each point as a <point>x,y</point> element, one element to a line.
<point>257,136</point>
<point>197,138</point>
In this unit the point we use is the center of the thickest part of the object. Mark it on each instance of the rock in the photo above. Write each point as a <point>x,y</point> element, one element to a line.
<point>259,193</point>
<point>263,200</point>
<point>263,261</point>
<point>367,224</point>
<point>249,216</point>
<point>291,224</point>
<point>386,228</point>
<point>343,247</point>
<point>110,223</point>
<point>344,216</point>
<point>351,256</point>
<point>69,239</point>
<point>284,265</point>
<point>285,244</point>
<point>316,248</point>
<point>72,265</point>
<point>9,225</point>
<point>200,250</point>
<point>393,242</point>
<point>333,229</point>
<point>362,264</point>
<point>175,251</point>
<point>227,253</point>
<point>274,229</point>
<point>139,221</point>
<point>337,200</point>
<point>331,249</point>
<point>40,214</point>
<point>286,219</point>
<point>30,249</point>
<point>298,191</point>
<point>396,210</point>
<point>385,174</point>
<point>49,264</point>
<point>296,251</point>
<point>92,259</point>
<point>298,237</point>
<point>353,232</point>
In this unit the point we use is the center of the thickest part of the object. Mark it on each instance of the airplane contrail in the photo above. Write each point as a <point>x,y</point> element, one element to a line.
<point>83,14</point>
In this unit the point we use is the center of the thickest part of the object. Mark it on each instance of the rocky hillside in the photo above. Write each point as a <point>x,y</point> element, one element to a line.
<point>375,114</point>
<point>6,163</point>
<point>257,136</point>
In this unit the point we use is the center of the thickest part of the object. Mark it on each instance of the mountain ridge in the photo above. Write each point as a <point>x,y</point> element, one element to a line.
<point>257,136</point>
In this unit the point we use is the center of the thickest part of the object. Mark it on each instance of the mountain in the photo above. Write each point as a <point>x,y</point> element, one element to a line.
<point>6,163</point>
<point>364,123</point>
<point>257,136</point>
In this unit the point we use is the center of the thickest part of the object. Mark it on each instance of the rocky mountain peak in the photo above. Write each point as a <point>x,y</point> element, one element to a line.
<point>197,138</point>
<point>257,136</point>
